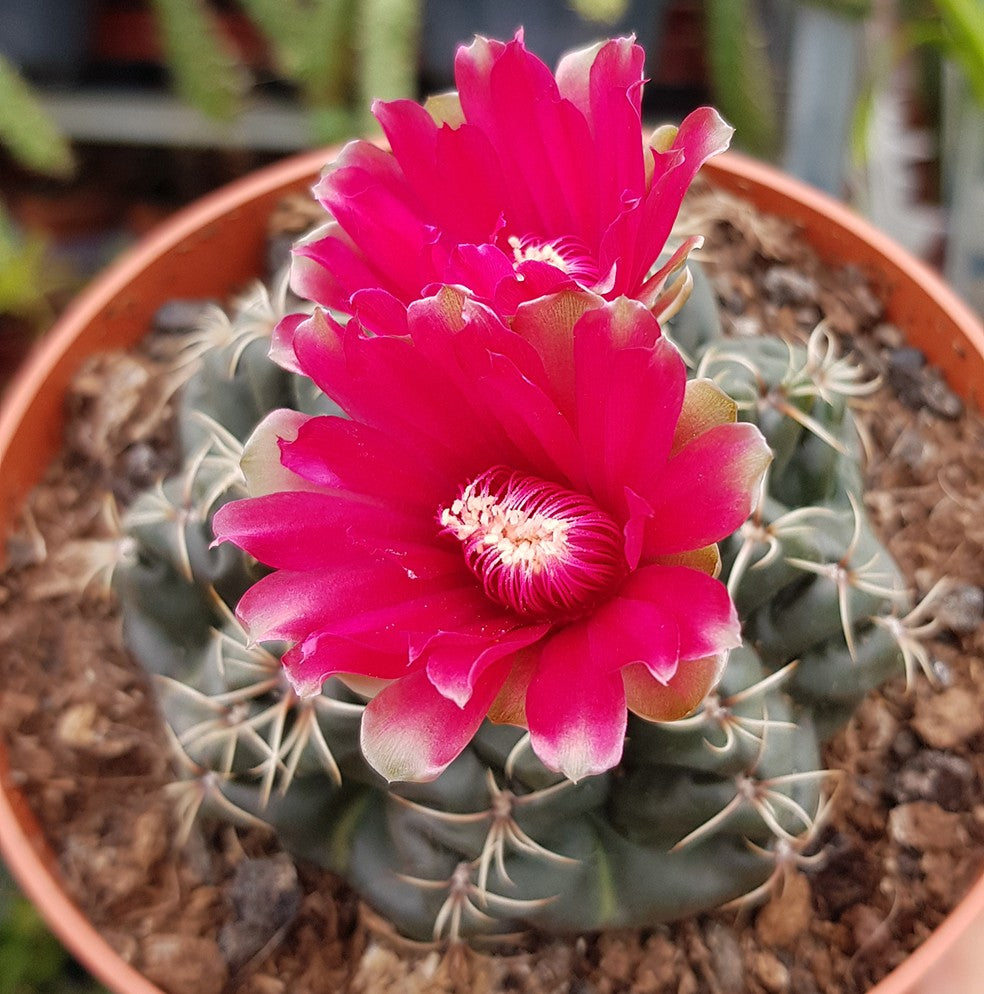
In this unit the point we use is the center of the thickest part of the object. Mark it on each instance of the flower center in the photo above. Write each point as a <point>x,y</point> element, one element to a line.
<point>538,549</point>
<point>530,251</point>
<point>565,254</point>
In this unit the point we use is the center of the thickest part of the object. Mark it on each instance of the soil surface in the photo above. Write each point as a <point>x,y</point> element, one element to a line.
<point>228,913</point>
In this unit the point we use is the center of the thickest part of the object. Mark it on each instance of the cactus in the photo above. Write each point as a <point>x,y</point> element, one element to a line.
<point>700,812</point>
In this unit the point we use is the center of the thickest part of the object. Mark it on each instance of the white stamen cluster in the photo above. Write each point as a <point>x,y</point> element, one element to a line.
<point>537,548</point>
<point>537,252</point>
<point>518,537</point>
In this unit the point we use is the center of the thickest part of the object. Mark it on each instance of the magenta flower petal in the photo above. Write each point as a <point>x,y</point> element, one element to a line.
<point>575,705</point>
<point>282,342</point>
<point>534,423</point>
<point>461,336</point>
<point>300,530</point>
<point>455,661</point>
<point>387,383</point>
<point>340,453</point>
<point>453,172</point>
<point>365,191</point>
<point>633,630</point>
<point>512,97</point>
<point>377,641</point>
<point>480,268</point>
<point>533,278</point>
<point>655,701</point>
<point>312,661</point>
<point>381,597</point>
<point>440,602</point>
<point>548,323</point>
<point>702,134</point>
<point>410,731</point>
<point>630,386</point>
<point>290,605</point>
<point>707,489</point>
<point>615,93</point>
<point>703,614</point>
<point>379,312</point>
<point>329,267</point>
<point>705,406</point>
<point>261,465</point>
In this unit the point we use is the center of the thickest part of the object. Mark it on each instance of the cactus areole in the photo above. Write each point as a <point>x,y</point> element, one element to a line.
<point>467,585</point>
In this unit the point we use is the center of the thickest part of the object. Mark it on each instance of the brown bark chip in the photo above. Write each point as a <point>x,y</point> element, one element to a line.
<point>771,973</point>
<point>925,827</point>
<point>951,718</point>
<point>179,964</point>
<point>787,916</point>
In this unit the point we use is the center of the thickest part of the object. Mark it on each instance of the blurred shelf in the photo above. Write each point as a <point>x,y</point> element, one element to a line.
<point>145,117</point>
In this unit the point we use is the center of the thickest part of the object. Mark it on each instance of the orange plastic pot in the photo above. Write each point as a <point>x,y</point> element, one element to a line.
<point>216,245</point>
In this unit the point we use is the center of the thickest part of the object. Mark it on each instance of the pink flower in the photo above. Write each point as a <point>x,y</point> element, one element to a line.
<point>526,185</point>
<point>516,523</point>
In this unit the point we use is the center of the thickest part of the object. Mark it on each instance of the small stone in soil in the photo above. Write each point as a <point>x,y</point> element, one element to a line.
<point>937,776</point>
<point>906,367</point>
<point>770,972</point>
<point>726,959</point>
<point>924,826</point>
<point>961,608</point>
<point>939,398</point>
<point>179,964</point>
<point>949,718</point>
<point>266,896</point>
<point>787,915</point>
<point>845,877</point>
<point>920,386</point>
<point>787,285</point>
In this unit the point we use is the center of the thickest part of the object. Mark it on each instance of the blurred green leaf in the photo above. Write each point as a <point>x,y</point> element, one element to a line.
<point>846,8</point>
<point>332,124</point>
<point>958,32</point>
<point>600,11</point>
<point>32,961</point>
<point>741,74</point>
<point>389,31</point>
<point>29,954</point>
<point>22,274</point>
<point>311,42</point>
<point>205,71</point>
<point>26,129</point>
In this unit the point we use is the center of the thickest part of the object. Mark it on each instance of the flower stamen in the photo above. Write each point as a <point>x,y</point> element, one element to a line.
<point>538,549</point>
<point>531,251</point>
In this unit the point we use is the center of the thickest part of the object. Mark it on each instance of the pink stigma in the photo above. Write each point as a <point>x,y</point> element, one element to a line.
<point>538,549</point>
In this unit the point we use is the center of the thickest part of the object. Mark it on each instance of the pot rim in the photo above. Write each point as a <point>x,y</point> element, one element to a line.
<point>834,230</point>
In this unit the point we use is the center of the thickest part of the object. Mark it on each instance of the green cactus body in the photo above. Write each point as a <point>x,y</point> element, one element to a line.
<point>698,811</point>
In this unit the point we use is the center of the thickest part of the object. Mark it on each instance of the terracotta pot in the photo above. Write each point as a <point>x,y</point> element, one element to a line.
<point>215,245</point>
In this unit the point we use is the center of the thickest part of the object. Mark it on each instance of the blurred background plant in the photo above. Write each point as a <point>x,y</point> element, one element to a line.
<point>337,54</point>
<point>29,284</point>
<point>32,961</point>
